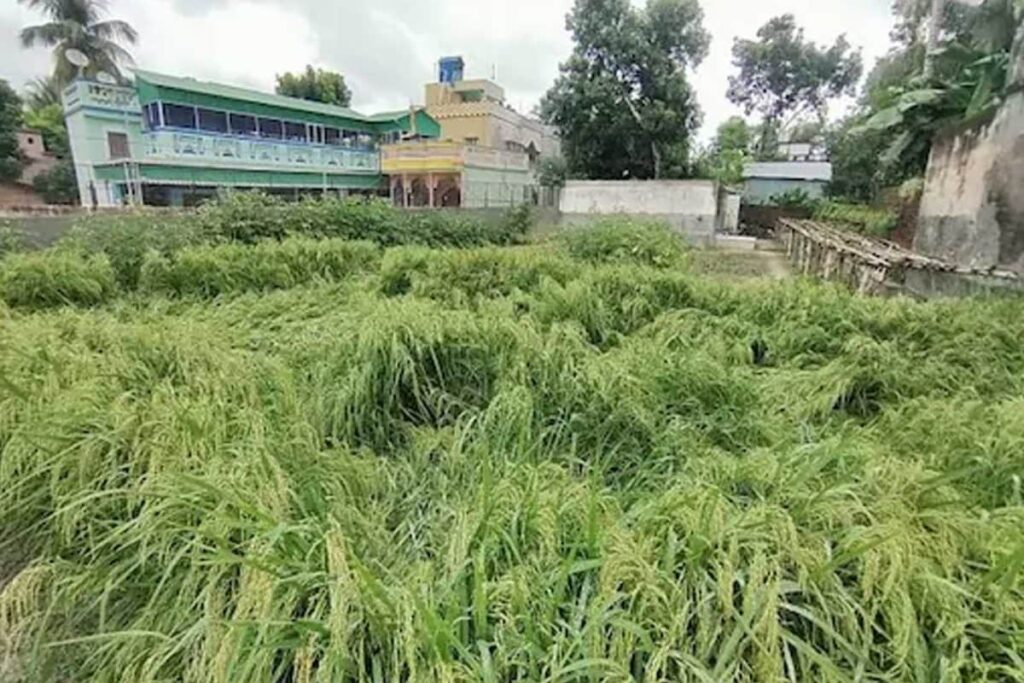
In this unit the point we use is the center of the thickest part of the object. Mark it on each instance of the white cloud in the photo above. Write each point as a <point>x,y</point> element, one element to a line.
<point>388,49</point>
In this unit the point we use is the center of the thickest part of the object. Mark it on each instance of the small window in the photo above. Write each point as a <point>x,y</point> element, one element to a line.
<point>295,131</point>
<point>472,141</point>
<point>271,128</point>
<point>31,141</point>
<point>332,136</point>
<point>117,145</point>
<point>213,121</point>
<point>152,111</point>
<point>177,116</point>
<point>242,124</point>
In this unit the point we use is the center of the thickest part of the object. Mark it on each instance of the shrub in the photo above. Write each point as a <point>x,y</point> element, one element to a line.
<point>858,217</point>
<point>125,239</point>
<point>624,240</point>
<point>55,278</point>
<point>248,217</point>
<point>11,239</point>
<point>212,270</point>
<point>797,198</point>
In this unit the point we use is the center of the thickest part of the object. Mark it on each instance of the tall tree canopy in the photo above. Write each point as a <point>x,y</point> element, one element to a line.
<point>622,103</point>
<point>316,85</point>
<point>10,121</point>
<point>79,25</point>
<point>782,76</point>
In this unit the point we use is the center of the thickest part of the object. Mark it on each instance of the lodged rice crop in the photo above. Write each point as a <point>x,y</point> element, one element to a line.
<point>575,461</point>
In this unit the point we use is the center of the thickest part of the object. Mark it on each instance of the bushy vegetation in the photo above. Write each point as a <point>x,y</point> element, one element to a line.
<point>858,217</point>
<point>247,218</point>
<point>575,461</point>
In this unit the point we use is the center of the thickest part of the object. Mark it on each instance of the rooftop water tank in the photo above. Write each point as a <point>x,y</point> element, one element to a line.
<point>450,69</point>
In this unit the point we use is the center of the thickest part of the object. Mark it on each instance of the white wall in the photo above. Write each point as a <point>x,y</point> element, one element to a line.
<point>688,206</point>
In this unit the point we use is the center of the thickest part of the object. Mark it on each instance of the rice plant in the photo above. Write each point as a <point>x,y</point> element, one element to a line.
<point>305,460</point>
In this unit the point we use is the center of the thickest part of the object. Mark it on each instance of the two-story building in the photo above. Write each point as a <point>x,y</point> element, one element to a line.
<point>171,141</point>
<point>175,141</point>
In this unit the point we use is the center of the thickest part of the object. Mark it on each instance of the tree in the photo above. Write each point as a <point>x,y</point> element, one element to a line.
<point>11,161</point>
<point>733,135</point>
<point>782,76</point>
<point>79,25</point>
<point>58,185</point>
<point>728,153</point>
<point>42,92</point>
<point>552,172</point>
<point>49,121</point>
<point>316,85</point>
<point>622,102</point>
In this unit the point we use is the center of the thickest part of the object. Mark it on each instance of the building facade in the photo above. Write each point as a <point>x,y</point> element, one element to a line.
<point>176,141</point>
<point>764,180</point>
<point>486,153</point>
<point>173,141</point>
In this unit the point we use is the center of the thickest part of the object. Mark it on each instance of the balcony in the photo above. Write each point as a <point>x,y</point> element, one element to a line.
<point>425,156</point>
<point>101,95</point>
<point>226,151</point>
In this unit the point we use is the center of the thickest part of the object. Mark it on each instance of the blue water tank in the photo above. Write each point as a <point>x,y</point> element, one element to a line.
<point>450,69</point>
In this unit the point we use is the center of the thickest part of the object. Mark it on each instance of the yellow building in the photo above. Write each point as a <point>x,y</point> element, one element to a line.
<point>485,155</point>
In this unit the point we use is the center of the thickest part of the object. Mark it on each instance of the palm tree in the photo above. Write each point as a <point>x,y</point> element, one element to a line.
<point>42,92</point>
<point>79,25</point>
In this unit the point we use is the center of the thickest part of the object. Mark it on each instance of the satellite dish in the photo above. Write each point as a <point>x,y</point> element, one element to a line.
<point>76,57</point>
<point>107,78</point>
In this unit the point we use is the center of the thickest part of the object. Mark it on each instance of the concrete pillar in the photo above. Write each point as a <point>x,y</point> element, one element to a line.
<point>405,191</point>
<point>430,190</point>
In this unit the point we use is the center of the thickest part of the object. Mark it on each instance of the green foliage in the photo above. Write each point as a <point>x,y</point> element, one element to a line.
<point>782,75</point>
<point>80,25</point>
<point>209,271</point>
<point>41,93</point>
<point>49,120</point>
<point>248,218</point>
<point>11,239</point>
<point>552,172</point>
<point>622,104</point>
<point>796,198</point>
<point>35,280</point>
<point>620,240</point>
<point>889,139</point>
<point>566,470</point>
<point>11,161</point>
<point>728,153</point>
<point>316,85</point>
<point>858,217</point>
<point>126,238</point>
<point>58,185</point>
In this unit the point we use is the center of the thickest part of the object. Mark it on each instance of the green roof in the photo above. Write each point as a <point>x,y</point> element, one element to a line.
<point>254,96</point>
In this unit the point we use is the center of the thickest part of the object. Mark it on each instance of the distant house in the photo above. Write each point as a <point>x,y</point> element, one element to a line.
<point>37,160</point>
<point>764,179</point>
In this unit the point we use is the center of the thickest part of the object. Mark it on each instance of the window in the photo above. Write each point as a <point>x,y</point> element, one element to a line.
<point>31,141</point>
<point>242,124</point>
<point>117,145</point>
<point>295,131</point>
<point>152,112</point>
<point>472,141</point>
<point>213,121</point>
<point>271,128</point>
<point>177,116</point>
<point>332,136</point>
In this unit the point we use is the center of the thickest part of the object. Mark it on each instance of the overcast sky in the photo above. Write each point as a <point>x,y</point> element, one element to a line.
<point>387,49</point>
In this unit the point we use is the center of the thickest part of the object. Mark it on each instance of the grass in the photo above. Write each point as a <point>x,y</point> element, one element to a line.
<point>324,461</point>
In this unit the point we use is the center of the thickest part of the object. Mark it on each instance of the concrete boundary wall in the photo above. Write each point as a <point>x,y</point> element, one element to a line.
<point>690,207</point>
<point>972,209</point>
